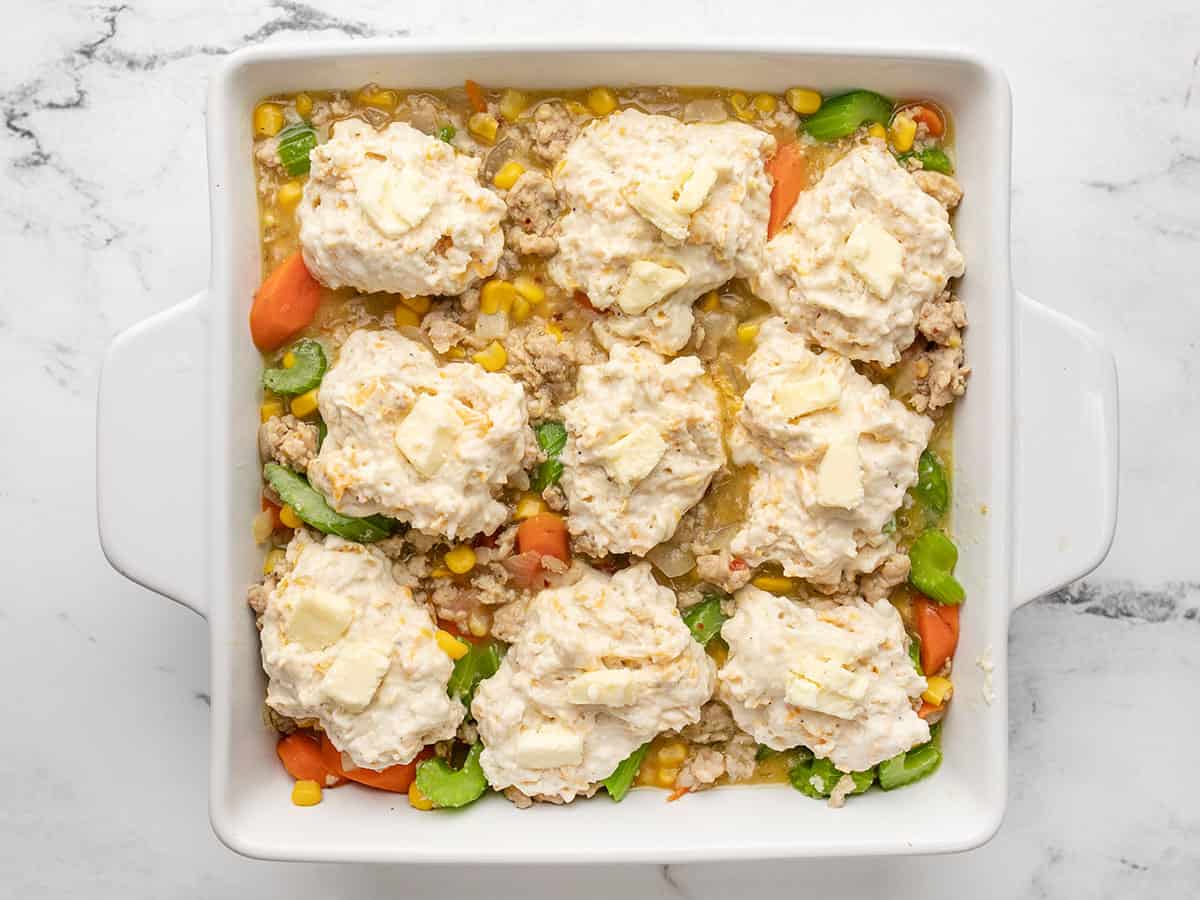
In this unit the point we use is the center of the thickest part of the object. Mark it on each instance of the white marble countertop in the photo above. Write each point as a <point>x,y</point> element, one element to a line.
<point>103,220</point>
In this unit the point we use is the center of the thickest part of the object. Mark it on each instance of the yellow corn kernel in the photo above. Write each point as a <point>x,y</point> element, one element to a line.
<point>601,101</point>
<point>288,517</point>
<point>456,353</point>
<point>304,105</point>
<point>305,404</point>
<point>289,359</point>
<point>529,289</point>
<point>719,651</point>
<point>512,104</point>
<point>877,131</point>
<point>803,101</point>
<point>450,645</point>
<point>508,174</point>
<point>417,800</point>
<point>741,106</point>
<point>775,584</point>
<point>261,527</point>
<point>496,296</point>
<point>460,560</point>
<point>493,357</point>
<point>672,754</point>
<point>711,302</point>
<point>522,309</point>
<point>405,317</point>
<point>765,104</point>
<point>554,331</point>
<point>419,305</point>
<point>268,119</point>
<point>575,108</point>
<point>289,194</point>
<point>903,132</point>
<point>479,622</point>
<point>484,126</point>
<point>667,776</point>
<point>440,572</point>
<point>530,505</point>
<point>270,410</point>
<point>374,96</point>
<point>747,332</point>
<point>938,690</point>
<point>272,559</point>
<point>306,793</point>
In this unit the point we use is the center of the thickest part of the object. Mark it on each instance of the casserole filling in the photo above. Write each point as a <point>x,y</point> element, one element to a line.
<point>606,440</point>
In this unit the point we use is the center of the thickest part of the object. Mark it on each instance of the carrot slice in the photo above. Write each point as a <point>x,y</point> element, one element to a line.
<point>927,709</point>
<point>930,116</point>
<point>284,304</point>
<point>786,169</point>
<point>475,96</point>
<point>300,753</point>
<point>545,534</point>
<point>937,626</point>
<point>393,778</point>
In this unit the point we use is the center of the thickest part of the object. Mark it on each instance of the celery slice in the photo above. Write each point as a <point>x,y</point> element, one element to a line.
<point>841,116</point>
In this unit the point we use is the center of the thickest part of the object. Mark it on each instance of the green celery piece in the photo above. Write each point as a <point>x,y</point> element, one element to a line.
<point>818,777</point>
<point>305,375</point>
<point>905,768</point>
<point>914,652</point>
<point>934,159</point>
<point>621,780</point>
<point>311,507</point>
<point>295,143</point>
<point>449,788</point>
<point>446,133</point>
<point>842,115</point>
<point>481,662</point>
<point>322,432</point>
<point>932,489</point>
<point>933,557</point>
<point>705,619</point>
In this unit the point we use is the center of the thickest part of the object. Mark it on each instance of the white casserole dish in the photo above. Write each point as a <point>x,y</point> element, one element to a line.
<point>1035,478</point>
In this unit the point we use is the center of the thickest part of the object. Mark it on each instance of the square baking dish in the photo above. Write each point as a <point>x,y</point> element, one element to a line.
<point>1035,474</point>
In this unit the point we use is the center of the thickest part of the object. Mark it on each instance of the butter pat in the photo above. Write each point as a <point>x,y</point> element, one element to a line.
<point>634,456</point>
<point>355,675</point>
<point>647,284</point>
<point>875,256</point>
<point>840,475</point>
<point>807,395</point>
<point>655,202</point>
<point>394,201</point>
<point>604,687</point>
<point>696,188</point>
<point>318,619</point>
<point>549,747</point>
<point>825,684</point>
<point>428,433</point>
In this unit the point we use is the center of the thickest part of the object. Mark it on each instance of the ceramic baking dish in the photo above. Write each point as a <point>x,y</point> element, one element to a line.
<point>1035,474</point>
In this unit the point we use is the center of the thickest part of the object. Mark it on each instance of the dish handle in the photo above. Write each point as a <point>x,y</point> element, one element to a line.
<point>1066,453</point>
<point>150,471</point>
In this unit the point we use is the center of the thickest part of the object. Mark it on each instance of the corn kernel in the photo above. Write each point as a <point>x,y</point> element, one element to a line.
<point>261,527</point>
<point>741,106</point>
<point>512,104</point>
<point>747,332</point>
<point>419,305</point>
<point>711,302</point>
<point>405,317</point>
<point>672,754</point>
<point>938,690</point>
<point>305,404</point>
<point>601,101</point>
<point>304,105</point>
<point>529,289</point>
<point>460,560</point>
<point>530,505</point>
<point>289,360</point>
<point>378,98</point>
<point>522,309</point>
<point>288,517</point>
<point>803,101</point>
<point>719,651</point>
<point>877,131</point>
<point>268,119</point>
<point>765,104</point>
<point>774,584</point>
<point>270,410</point>
<point>493,357</point>
<point>417,800</point>
<point>496,296</point>
<point>289,194</point>
<point>903,132</point>
<point>479,622</point>
<point>450,645</point>
<point>554,331</point>
<point>440,572</point>
<point>306,793</point>
<point>273,559</point>
<point>508,174</point>
<point>667,776</point>
<point>456,353</point>
<point>484,126</point>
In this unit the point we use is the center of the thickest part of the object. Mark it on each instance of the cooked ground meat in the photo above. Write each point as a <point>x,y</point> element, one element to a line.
<point>266,153</point>
<point>740,757</point>
<point>532,211</point>
<point>257,595</point>
<point>325,112</point>
<point>942,319</point>
<point>942,188</point>
<point>703,767</point>
<point>940,377</point>
<point>555,498</point>
<point>426,113</point>
<point>715,568</point>
<point>892,572</point>
<point>547,365</point>
<point>841,790</point>
<point>288,441</point>
<point>277,721</point>
<point>551,130</point>
<point>441,326</point>
<point>715,726</point>
<point>507,620</point>
<point>518,799</point>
